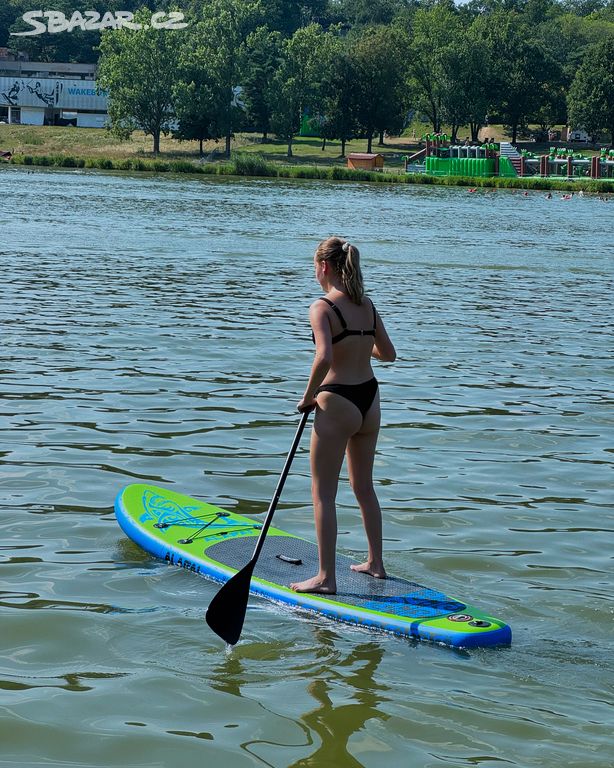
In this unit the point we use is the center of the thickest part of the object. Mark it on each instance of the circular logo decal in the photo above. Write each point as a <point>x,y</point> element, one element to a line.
<point>460,617</point>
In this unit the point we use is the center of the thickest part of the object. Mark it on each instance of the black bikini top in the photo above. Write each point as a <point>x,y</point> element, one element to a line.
<point>347,331</point>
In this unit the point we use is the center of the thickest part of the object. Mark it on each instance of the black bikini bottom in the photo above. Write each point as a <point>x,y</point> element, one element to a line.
<point>362,395</point>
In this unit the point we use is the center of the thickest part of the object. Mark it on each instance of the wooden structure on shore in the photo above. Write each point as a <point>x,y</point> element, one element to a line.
<point>365,161</point>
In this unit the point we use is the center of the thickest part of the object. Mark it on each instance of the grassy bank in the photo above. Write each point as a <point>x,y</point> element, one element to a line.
<point>97,142</point>
<point>95,148</point>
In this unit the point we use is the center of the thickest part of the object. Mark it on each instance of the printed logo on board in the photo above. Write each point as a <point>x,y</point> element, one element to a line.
<point>181,562</point>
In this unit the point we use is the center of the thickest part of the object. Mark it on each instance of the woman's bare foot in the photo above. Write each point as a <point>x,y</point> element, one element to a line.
<point>376,570</point>
<point>316,584</point>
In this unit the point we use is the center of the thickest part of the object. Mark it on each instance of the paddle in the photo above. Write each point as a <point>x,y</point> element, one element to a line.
<point>226,612</point>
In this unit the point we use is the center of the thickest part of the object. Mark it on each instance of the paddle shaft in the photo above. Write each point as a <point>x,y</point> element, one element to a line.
<point>280,485</point>
<point>226,612</point>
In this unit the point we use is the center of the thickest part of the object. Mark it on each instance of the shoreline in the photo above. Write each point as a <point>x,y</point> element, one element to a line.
<point>243,164</point>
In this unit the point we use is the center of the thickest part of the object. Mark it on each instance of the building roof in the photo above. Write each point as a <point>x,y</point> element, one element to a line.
<point>363,156</point>
<point>46,69</point>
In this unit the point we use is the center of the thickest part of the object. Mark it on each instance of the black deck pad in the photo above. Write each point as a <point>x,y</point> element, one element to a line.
<point>392,595</point>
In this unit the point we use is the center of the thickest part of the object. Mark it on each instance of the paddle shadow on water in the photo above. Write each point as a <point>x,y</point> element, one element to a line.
<point>329,725</point>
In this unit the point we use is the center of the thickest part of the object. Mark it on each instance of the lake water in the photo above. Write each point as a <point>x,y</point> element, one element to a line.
<point>155,329</point>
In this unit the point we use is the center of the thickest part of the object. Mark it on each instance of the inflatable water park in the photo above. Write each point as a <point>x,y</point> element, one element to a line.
<point>440,157</point>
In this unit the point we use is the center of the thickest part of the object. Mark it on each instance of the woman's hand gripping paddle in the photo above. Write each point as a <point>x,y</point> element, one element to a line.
<point>226,612</point>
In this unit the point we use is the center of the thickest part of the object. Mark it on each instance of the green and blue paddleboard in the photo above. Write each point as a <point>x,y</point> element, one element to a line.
<point>213,542</point>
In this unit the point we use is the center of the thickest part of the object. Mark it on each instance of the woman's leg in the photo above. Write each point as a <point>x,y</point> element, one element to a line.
<point>333,424</point>
<point>361,455</point>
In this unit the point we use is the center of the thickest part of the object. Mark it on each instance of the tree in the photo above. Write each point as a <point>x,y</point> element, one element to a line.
<point>567,38</point>
<point>223,30</point>
<point>585,7</point>
<point>296,81</point>
<point>465,65</point>
<point>591,96</point>
<point>367,13</point>
<point>139,69</point>
<point>262,55</point>
<point>521,67</point>
<point>433,31</point>
<point>286,16</point>
<point>339,93</point>
<point>9,12</point>
<point>378,54</point>
<point>197,93</point>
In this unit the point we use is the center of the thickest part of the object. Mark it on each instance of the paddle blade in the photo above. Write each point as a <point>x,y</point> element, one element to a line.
<point>226,612</point>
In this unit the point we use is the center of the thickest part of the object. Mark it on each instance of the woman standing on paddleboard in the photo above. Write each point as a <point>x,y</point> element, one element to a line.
<point>347,332</point>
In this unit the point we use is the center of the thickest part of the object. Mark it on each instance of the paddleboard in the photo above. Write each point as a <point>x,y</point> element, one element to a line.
<point>212,542</point>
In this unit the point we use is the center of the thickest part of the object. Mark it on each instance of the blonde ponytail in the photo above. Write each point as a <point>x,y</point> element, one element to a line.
<point>345,260</point>
<point>351,275</point>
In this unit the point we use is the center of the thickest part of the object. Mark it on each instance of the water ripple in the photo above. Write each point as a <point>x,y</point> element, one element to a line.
<point>156,329</point>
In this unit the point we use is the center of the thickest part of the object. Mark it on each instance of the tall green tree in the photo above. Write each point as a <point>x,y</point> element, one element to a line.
<point>296,82</point>
<point>520,69</point>
<point>433,30</point>
<point>465,66</point>
<point>340,95</point>
<point>197,93</point>
<point>379,55</point>
<point>223,29</point>
<point>591,96</point>
<point>262,58</point>
<point>139,69</point>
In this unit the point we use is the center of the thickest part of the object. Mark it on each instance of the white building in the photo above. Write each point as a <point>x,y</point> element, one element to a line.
<point>37,93</point>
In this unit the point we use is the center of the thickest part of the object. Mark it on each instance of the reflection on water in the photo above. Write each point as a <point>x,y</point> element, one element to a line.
<point>334,725</point>
<point>344,701</point>
<point>156,329</point>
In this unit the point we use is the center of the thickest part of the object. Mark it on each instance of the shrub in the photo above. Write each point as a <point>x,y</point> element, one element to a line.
<point>183,166</point>
<point>99,162</point>
<point>66,161</point>
<point>251,164</point>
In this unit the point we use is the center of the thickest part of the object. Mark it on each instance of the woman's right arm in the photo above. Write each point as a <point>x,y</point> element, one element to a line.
<point>383,349</point>
<point>323,355</point>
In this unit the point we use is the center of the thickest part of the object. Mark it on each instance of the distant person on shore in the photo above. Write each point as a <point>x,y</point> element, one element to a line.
<point>348,332</point>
